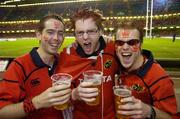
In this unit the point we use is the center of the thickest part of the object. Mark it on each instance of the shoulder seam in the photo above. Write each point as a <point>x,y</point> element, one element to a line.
<point>21,67</point>
<point>161,78</point>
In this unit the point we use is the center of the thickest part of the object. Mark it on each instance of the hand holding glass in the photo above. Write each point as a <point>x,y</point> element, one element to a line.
<point>119,93</point>
<point>61,79</point>
<point>94,76</point>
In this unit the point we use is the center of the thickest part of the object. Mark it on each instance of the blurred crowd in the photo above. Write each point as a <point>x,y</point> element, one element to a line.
<point>121,9</point>
<point>161,27</point>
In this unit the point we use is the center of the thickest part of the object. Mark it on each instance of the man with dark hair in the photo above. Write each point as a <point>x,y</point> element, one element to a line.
<point>92,53</point>
<point>153,93</point>
<point>26,90</point>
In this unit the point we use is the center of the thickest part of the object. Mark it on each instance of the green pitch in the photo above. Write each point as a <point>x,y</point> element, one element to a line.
<point>20,47</point>
<point>161,47</point>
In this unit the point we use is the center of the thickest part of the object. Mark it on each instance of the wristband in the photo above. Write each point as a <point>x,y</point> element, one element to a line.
<point>28,105</point>
<point>153,113</point>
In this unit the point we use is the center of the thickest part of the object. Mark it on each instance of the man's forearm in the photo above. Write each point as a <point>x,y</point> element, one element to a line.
<point>12,111</point>
<point>161,114</point>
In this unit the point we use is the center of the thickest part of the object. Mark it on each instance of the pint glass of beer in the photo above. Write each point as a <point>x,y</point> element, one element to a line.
<point>61,79</point>
<point>94,76</point>
<point>119,93</point>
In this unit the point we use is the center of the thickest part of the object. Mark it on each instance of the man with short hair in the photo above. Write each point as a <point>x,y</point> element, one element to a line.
<point>153,93</point>
<point>26,90</point>
<point>92,53</point>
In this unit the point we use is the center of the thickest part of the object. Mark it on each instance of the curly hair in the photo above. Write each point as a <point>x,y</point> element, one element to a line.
<point>86,13</point>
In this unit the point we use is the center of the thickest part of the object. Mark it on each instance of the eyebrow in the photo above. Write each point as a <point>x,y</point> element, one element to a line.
<point>88,29</point>
<point>54,30</point>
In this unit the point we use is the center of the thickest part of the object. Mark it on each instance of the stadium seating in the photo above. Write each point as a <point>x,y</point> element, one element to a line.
<point>124,10</point>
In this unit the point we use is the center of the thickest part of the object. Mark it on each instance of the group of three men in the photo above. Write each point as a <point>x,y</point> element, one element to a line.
<point>26,90</point>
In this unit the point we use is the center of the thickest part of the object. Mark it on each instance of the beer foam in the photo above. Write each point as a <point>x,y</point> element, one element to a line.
<point>97,76</point>
<point>122,92</point>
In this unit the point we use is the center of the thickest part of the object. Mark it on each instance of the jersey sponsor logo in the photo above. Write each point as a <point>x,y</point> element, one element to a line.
<point>108,64</point>
<point>138,88</point>
<point>35,82</point>
<point>105,79</point>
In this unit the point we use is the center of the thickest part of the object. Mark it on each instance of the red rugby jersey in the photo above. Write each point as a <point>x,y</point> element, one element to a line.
<point>152,85</point>
<point>27,76</point>
<point>71,62</point>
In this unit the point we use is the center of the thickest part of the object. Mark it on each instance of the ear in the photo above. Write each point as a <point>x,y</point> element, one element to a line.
<point>38,35</point>
<point>140,46</point>
<point>100,32</point>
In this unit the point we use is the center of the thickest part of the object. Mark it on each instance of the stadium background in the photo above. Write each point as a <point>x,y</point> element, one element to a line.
<point>18,19</point>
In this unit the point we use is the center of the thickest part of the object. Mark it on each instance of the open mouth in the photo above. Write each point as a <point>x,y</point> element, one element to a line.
<point>126,57</point>
<point>54,45</point>
<point>126,54</point>
<point>87,47</point>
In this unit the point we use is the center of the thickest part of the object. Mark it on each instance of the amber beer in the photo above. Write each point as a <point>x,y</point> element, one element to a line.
<point>62,79</point>
<point>96,101</point>
<point>119,93</point>
<point>94,76</point>
<point>62,106</point>
<point>65,105</point>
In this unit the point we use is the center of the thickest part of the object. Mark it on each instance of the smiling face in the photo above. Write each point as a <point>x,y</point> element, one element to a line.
<point>51,37</point>
<point>128,48</point>
<point>87,35</point>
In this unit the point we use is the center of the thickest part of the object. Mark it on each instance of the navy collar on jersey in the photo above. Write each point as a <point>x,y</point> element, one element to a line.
<point>143,70</point>
<point>81,52</point>
<point>38,61</point>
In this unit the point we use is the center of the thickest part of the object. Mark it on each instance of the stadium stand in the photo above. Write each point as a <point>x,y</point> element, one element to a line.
<point>166,15</point>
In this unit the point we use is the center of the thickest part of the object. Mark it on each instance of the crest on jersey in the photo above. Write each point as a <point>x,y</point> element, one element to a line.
<point>35,82</point>
<point>137,87</point>
<point>108,64</point>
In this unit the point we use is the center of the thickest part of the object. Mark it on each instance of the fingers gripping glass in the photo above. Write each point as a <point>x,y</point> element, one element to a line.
<point>130,42</point>
<point>89,32</point>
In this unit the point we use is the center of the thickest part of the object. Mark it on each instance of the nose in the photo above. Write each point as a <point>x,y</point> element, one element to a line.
<point>55,37</point>
<point>85,36</point>
<point>125,46</point>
